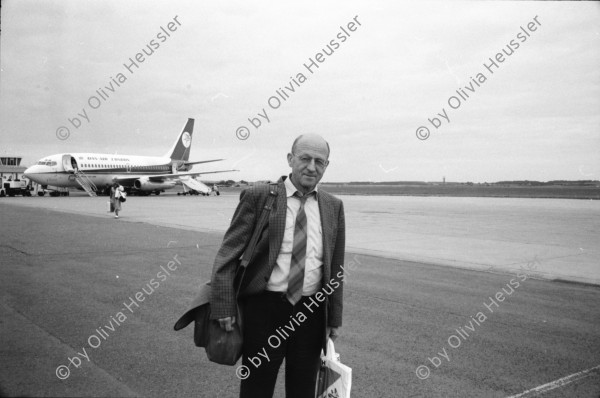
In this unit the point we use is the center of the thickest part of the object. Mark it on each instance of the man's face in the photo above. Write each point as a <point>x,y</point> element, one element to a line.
<point>308,163</point>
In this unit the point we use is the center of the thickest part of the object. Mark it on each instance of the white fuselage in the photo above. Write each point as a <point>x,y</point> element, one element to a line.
<point>102,169</point>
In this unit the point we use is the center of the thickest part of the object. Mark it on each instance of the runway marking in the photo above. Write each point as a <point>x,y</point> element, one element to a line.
<point>559,383</point>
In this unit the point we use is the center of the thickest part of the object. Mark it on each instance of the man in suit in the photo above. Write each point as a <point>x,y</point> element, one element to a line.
<point>292,292</point>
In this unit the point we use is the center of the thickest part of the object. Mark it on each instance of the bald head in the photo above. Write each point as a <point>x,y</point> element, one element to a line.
<point>312,140</point>
<point>308,160</point>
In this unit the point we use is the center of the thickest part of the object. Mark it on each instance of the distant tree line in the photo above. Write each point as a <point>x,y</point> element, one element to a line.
<point>383,183</point>
<point>232,183</point>
<point>553,182</point>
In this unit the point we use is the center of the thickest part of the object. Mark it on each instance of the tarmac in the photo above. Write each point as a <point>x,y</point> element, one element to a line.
<point>414,326</point>
<point>487,234</point>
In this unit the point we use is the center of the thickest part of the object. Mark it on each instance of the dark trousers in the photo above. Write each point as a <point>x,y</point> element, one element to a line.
<point>274,330</point>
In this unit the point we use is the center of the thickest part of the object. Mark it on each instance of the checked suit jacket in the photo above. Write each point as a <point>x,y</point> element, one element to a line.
<point>252,201</point>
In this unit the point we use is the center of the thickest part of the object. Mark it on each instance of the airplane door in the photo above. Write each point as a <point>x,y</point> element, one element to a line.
<point>66,163</point>
<point>74,163</point>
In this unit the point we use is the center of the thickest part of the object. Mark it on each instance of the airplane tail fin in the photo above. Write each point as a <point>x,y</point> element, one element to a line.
<point>183,145</point>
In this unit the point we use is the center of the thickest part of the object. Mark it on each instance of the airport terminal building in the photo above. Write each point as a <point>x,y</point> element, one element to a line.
<point>10,168</point>
<point>11,176</point>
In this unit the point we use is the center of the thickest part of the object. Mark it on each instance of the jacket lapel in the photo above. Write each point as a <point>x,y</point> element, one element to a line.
<point>277,224</point>
<point>327,227</point>
<point>277,228</point>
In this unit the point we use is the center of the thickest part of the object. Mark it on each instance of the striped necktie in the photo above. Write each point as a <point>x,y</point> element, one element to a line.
<point>296,276</point>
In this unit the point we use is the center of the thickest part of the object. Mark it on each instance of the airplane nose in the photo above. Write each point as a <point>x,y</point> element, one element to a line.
<point>32,173</point>
<point>29,171</point>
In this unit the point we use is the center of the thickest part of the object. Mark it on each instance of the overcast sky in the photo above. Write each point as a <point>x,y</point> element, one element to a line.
<point>534,116</point>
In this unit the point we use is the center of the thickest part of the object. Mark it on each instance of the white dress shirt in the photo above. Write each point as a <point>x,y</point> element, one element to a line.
<point>314,244</point>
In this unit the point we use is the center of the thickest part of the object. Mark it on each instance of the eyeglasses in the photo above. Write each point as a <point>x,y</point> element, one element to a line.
<point>305,159</point>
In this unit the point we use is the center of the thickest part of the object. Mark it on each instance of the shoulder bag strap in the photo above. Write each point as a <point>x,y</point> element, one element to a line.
<point>264,215</point>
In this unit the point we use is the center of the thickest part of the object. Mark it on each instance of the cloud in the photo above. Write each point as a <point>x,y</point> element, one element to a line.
<point>393,73</point>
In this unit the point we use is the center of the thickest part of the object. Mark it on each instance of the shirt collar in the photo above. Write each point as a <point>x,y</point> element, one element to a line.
<point>290,188</point>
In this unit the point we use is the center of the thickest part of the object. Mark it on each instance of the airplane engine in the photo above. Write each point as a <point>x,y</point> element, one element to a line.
<point>144,184</point>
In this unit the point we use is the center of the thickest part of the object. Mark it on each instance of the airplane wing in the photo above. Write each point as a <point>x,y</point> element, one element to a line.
<point>163,177</point>
<point>186,164</point>
<point>202,161</point>
<point>129,179</point>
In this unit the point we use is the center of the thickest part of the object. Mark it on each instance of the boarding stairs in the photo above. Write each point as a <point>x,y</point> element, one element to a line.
<point>85,183</point>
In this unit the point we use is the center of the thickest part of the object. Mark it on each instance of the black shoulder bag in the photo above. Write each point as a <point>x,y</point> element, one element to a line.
<point>224,347</point>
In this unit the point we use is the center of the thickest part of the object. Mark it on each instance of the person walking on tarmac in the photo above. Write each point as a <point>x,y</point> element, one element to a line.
<point>116,197</point>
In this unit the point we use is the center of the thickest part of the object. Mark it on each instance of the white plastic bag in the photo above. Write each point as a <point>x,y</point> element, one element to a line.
<point>335,378</point>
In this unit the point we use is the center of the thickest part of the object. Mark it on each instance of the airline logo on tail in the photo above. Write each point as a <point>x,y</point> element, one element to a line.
<point>186,139</point>
<point>181,149</point>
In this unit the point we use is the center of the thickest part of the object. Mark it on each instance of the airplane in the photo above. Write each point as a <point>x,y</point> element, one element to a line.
<point>93,172</point>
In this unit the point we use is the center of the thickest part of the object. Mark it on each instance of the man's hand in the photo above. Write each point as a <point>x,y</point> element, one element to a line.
<point>332,333</point>
<point>227,323</point>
